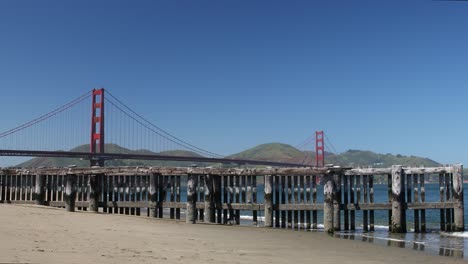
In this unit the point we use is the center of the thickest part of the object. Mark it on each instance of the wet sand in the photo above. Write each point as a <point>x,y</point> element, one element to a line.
<point>30,234</point>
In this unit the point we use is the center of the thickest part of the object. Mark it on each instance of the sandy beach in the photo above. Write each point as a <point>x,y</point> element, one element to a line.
<point>31,234</point>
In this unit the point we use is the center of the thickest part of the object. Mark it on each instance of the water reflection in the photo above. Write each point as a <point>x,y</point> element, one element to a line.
<point>431,243</point>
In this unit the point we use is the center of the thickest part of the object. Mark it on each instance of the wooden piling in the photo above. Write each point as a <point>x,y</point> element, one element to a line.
<point>345,202</point>
<point>40,189</point>
<point>457,189</point>
<point>448,211</point>
<point>389,196</point>
<point>328,192</point>
<point>121,192</point>
<point>172,197</point>
<point>423,200</point>
<point>8,188</point>
<point>127,193</point>
<point>237,192</point>
<point>277,200</point>
<point>254,199</point>
<point>178,196</point>
<point>2,189</point>
<point>314,201</point>
<point>70,193</point>
<point>138,191</point>
<point>84,190</point>
<point>200,196</point>
<point>371,200</point>
<point>351,200</point>
<point>116,193</point>
<point>105,198</point>
<point>308,216</point>
<point>398,216</point>
<point>153,197</point>
<point>191,214</point>
<point>407,183</point>
<point>225,198</point>
<point>162,191</point>
<point>337,202</point>
<point>53,189</point>
<point>283,201</point>
<point>21,192</point>
<point>48,188</point>
<point>231,197</point>
<point>295,189</point>
<point>290,220</point>
<point>209,216</point>
<point>302,200</point>
<point>442,197</point>
<point>31,185</point>
<point>93,194</point>
<point>365,213</point>
<point>416,200</point>
<point>132,192</point>
<point>217,198</point>
<point>110,193</point>
<point>268,201</point>
<point>243,195</point>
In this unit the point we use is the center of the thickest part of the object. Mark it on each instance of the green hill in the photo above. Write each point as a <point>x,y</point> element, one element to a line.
<point>268,152</point>
<point>271,152</point>
<point>352,158</point>
<point>359,158</point>
<point>112,148</point>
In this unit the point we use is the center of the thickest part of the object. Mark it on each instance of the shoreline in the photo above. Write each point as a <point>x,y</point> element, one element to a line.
<point>35,234</point>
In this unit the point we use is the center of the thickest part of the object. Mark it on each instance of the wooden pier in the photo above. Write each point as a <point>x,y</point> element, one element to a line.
<point>291,196</point>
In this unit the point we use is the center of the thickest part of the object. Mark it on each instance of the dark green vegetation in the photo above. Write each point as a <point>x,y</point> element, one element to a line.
<point>112,148</point>
<point>270,152</point>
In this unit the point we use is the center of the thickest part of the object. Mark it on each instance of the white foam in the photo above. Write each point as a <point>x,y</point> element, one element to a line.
<point>262,219</point>
<point>455,234</point>
<point>381,227</point>
<point>394,239</point>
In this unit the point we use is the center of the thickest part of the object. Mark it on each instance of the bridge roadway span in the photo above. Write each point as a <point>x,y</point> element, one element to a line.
<point>114,156</point>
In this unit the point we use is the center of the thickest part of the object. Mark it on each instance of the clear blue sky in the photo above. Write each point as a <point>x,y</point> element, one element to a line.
<point>386,76</point>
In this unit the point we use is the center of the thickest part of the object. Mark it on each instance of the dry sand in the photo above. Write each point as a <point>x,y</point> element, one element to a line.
<point>31,234</point>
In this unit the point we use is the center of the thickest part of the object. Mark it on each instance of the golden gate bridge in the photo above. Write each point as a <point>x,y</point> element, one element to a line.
<point>114,124</point>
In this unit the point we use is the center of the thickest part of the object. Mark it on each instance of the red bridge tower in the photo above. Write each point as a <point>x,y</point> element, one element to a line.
<point>319,149</point>
<point>97,126</point>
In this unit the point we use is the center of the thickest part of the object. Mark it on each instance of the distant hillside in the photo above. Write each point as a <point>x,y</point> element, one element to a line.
<point>112,148</point>
<point>268,152</point>
<point>353,158</point>
<point>271,152</point>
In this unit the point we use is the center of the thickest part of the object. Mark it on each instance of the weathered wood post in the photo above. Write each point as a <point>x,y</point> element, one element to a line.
<point>40,189</point>
<point>336,203</point>
<point>457,183</point>
<point>209,216</point>
<point>268,200</point>
<point>217,197</point>
<point>93,194</point>
<point>398,200</point>
<point>328,192</point>
<point>191,212</point>
<point>153,195</point>
<point>70,193</point>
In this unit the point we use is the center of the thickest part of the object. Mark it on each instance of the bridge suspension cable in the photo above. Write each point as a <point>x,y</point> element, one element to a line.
<point>151,127</point>
<point>47,116</point>
<point>307,146</point>
<point>334,151</point>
